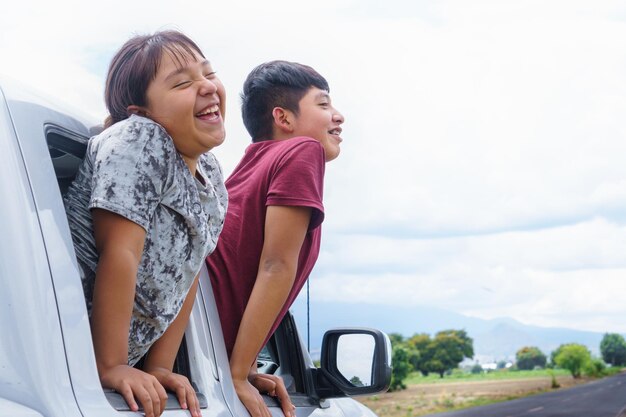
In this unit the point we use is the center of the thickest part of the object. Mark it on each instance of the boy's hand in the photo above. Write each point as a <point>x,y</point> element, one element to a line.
<point>132,383</point>
<point>274,386</point>
<point>249,392</point>
<point>180,385</point>
<point>251,398</point>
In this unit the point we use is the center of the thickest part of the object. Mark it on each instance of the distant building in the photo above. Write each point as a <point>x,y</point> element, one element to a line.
<point>489,366</point>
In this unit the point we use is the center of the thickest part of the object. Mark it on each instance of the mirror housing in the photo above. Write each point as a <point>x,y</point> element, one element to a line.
<point>355,361</point>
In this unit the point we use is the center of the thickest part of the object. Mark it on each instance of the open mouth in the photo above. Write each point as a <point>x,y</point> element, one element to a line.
<point>210,113</point>
<point>336,131</point>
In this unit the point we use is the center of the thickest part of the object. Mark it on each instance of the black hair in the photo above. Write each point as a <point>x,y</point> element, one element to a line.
<point>135,65</point>
<point>275,84</point>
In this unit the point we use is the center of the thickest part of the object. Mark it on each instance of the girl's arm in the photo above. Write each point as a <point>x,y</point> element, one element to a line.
<point>285,229</point>
<point>162,354</point>
<point>119,242</point>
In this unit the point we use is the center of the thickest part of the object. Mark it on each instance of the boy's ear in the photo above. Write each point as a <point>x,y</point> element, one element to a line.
<point>138,110</point>
<point>283,119</point>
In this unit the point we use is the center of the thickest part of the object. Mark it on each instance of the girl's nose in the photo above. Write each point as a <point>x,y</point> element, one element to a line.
<point>208,87</point>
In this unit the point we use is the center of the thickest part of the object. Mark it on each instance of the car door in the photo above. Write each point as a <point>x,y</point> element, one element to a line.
<point>57,360</point>
<point>325,390</point>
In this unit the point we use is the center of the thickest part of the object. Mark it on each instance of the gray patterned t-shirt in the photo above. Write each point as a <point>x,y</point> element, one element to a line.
<point>134,170</point>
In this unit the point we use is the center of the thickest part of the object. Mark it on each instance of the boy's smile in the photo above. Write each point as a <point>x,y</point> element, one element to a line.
<point>318,119</point>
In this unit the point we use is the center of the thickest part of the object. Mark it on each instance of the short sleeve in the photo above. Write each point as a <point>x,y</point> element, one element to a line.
<point>131,169</point>
<point>298,179</point>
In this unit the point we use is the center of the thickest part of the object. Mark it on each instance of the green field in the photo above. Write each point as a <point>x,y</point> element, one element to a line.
<point>431,394</point>
<point>459,375</point>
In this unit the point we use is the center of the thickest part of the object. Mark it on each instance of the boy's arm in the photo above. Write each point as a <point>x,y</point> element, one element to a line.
<point>285,229</point>
<point>119,242</point>
<point>161,356</point>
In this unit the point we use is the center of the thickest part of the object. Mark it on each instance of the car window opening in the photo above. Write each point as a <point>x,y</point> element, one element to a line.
<point>67,150</point>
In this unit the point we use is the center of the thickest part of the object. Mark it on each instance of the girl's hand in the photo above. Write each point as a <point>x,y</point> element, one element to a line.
<point>180,385</point>
<point>134,384</point>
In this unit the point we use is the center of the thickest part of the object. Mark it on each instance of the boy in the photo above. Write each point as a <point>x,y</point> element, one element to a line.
<point>271,235</point>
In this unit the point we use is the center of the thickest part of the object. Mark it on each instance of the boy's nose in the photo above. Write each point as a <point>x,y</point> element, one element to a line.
<point>338,118</point>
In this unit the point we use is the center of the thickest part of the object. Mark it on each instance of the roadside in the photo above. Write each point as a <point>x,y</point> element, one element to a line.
<point>421,399</point>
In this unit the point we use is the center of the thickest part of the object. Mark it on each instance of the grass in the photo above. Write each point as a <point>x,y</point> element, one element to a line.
<point>479,401</point>
<point>419,399</point>
<point>420,406</point>
<point>461,376</point>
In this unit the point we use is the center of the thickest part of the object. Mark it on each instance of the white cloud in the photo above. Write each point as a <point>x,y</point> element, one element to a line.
<point>542,277</point>
<point>487,127</point>
<point>482,168</point>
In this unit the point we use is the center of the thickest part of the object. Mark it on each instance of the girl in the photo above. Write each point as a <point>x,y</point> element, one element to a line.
<point>145,209</point>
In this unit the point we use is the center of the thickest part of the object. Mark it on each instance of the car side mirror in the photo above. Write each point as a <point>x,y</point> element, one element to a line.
<point>356,361</point>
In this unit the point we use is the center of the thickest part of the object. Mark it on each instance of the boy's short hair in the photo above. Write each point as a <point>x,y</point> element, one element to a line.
<point>275,84</point>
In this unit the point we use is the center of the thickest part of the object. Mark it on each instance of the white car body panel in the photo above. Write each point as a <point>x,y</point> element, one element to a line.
<point>47,364</point>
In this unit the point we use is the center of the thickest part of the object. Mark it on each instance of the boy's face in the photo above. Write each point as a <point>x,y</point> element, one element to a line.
<point>319,120</point>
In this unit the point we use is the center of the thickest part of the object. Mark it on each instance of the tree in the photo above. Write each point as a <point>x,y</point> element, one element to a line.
<point>613,349</point>
<point>595,368</point>
<point>396,338</point>
<point>573,357</point>
<point>400,367</point>
<point>465,343</point>
<point>419,345</point>
<point>414,357</point>
<point>555,353</point>
<point>528,357</point>
<point>444,352</point>
<point>356,381</point>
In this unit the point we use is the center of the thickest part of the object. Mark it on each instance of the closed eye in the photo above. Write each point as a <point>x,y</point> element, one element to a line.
<point>210,75</point>
<point>182,84</point>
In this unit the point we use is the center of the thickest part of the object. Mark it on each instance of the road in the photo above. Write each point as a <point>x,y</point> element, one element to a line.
<point>602,398</point>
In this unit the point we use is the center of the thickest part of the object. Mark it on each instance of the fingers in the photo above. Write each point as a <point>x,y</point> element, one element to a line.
<point>288,409</point>
<point>181,394</point>
<point>161,395</point>
<point>184,391</point>
<point>265,384</point>
<point>251,399</point>
<point>193,403</point>
<point>274,386</point>
<point>285,401</point>
<point>129,397</point>
<point>152,397</point>
<point>137,388</point>
<point>188,399</point>
<point>150,401</point>
<point>264,410</point>
<point>279,391</point>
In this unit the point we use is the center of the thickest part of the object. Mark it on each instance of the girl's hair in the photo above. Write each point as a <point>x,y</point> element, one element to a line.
<point>135,65</point>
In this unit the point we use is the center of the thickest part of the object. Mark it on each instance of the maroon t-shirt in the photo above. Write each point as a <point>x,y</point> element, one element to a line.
<point>271,173</point>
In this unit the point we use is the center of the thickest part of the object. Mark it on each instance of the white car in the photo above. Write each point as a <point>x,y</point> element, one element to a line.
<point>47,364</point>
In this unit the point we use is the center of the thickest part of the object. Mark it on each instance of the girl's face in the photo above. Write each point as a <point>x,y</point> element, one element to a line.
<point>188,100</point>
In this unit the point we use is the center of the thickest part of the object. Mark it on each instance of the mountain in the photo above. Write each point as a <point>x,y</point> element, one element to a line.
<point>494,339</point>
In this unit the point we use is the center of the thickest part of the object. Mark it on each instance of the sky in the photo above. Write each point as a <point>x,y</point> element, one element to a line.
<point>482,169</point>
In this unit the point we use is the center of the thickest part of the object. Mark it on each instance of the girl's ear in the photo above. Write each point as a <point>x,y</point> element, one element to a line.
<point>138,110</point>
<point>283,119</point>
